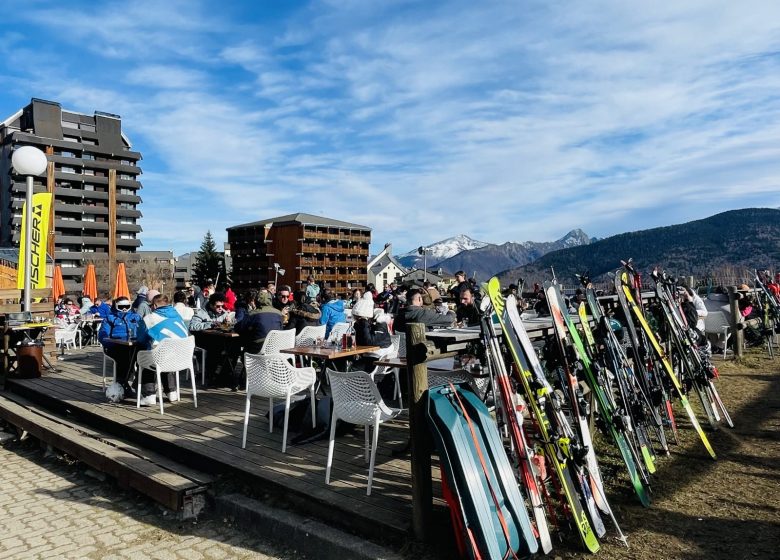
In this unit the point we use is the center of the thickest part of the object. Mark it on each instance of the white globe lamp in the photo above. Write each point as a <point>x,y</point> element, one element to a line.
<point>29,161</point>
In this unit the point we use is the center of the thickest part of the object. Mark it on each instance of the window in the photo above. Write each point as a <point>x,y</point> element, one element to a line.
<point>125,176</point>
<point>70,138</point>
<point>89,172</point>
<point>88,218</point>
<point>87,127</point>
<point>89,187</point>
<point>68,124</point>
<point>126,236</point>
<point>65,169</point>
<point>67,154</point>
<point>88,141</point>
<point>89,156</point>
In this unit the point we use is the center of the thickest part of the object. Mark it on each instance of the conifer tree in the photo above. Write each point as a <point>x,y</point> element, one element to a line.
<point>209,262</point>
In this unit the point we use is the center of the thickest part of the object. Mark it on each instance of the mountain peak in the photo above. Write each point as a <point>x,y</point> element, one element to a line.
<point>574,238</point>
<point>441,250</point>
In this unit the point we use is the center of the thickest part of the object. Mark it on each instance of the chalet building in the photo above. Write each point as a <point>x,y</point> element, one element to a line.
<point>384,268</point>
<point>335,253</point>
<point>93,173</point>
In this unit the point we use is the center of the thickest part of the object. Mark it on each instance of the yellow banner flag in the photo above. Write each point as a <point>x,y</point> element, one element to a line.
<point>41,205</point>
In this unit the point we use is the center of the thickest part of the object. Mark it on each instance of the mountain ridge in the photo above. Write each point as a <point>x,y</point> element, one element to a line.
<point>748,237</point>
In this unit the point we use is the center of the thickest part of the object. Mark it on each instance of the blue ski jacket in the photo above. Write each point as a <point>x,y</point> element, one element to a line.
<point>163,322</point>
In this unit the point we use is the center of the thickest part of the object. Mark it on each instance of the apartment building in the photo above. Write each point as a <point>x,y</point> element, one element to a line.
<point>334,252</point>
<point>93,173</point>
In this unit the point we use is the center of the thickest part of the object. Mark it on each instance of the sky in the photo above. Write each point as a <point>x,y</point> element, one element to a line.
<point>501,120</point>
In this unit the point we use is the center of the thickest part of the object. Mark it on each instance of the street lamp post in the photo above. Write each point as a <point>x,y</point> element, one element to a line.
<point>29,161</point>
<point>279,271</point>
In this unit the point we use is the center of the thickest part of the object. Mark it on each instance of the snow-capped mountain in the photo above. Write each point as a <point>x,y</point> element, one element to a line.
<point>486,261</point>
<point>441,250</point>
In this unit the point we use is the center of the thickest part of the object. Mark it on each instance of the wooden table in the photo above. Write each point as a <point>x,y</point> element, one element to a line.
<point>223,350</point>
<point>124,348</point>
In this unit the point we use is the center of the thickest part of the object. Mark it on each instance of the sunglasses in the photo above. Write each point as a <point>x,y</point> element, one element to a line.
<point>282,296</point>
<point>123,307</point>
<point>218,306</point>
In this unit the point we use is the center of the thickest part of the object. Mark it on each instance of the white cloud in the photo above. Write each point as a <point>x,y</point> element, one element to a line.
<point>501,120</point>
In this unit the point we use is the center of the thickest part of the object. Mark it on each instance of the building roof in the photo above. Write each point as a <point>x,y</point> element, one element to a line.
<point>303,219</point>
<point>379,265</point>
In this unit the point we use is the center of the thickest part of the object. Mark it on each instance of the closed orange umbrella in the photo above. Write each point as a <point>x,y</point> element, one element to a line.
<point>57,285</point>
<point>120,288</point>
<point>90,283</point>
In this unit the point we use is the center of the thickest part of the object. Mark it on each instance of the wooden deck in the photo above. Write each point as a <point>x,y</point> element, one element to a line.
<point>209,438</point>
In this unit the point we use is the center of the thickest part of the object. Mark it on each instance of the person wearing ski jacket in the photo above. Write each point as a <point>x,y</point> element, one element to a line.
<point>100,307</point>
<point>212,313</point>
<point>414,312</point>
<point>120,324</point>
<point>141,304</point>
<point>332,312</point>
<point>312,289</point>
<point>467,313</point>
<point>163,322</point>
<point>258,322</point>
<point>230,299</point>
<point>302,313</point>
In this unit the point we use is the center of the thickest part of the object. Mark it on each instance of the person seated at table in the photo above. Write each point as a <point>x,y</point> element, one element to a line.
<point>102,306</point>
<point>120,324</point>
<point>202,297</point>
<point>68,312</point>
<point>230,297</point>
<point>416,313</point>
<point>258,322</point>
<point>282,301</point>
<point>163,322</point>
<point>356,295</point>
<point>467,313</point>
<point>302,313</point>
<point>85,304</point>
<point>140,304</point>
<point>213,314</point>
<point>245,303</point>
<point>181,307</point>
<point>369,332</point>
<point>332,311</point>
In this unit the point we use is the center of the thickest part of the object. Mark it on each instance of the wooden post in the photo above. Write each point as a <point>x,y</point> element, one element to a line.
<point>417,372</point>
<point>50,247</point>
<point>736,322</point>
<point>111,228</point>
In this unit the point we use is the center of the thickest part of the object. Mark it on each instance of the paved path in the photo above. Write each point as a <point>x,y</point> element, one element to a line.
<point>51,509</point>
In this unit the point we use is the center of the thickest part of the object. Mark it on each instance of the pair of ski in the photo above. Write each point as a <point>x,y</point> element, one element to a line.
<point>698,372</point>
<point>570,346</point>
<point>625,289</point>
<point>581,490</point>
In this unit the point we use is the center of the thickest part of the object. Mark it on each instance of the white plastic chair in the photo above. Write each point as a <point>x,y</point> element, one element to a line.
<point>277,340</point>
<point>170,355</point>
<point>271,376</point>
<point>200,363</point>
<point>338,330</point>
<point>66,336</point>
<point>107,358</point>
<point>357,400</point>
<point>716,323</point>
<point>395,372</point>
<point>309,335</point>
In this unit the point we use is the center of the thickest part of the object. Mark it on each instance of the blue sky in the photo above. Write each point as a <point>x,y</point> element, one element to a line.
<point>506,121</point>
